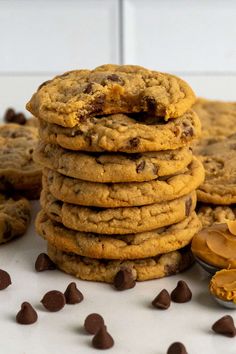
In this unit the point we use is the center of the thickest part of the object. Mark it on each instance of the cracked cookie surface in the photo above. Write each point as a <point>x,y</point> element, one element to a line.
<point>14,217</point>
<point>132,246</point>
<point>112,167</point>
<point>70,98</point>
<point>117,220</point>
<point>124,133</point>
<point>105,270</point>
<point>18,171</point>
<point>115,195</point>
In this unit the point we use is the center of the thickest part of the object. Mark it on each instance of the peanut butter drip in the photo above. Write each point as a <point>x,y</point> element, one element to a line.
<point>217,245</point>
<point>223,284</point>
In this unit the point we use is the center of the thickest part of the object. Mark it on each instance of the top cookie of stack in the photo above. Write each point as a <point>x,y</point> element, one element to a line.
<point>70,98</point>
<point>117,138</point>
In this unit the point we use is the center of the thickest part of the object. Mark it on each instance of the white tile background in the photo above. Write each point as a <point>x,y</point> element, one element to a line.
<point>195,39</point>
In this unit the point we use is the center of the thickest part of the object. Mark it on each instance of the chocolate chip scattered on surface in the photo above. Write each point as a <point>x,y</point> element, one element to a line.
<point>177,348</point>
<point>124,279</point>
<point>93,322</point>
<point>73,295</point>
<point>102,339</point>
<point>225,326</point>
<point>53,300</point>
<point>27,314</point>
<point>162,300</point>
<point>5,279</point>
<point>181,293</point>
<point>43,262</point>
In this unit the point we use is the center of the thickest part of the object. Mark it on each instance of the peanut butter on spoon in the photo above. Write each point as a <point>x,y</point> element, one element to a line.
<point>216,245</point>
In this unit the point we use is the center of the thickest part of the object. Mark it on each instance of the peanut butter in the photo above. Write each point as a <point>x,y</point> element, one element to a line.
<point>223,284</point>
<point>216,245</point>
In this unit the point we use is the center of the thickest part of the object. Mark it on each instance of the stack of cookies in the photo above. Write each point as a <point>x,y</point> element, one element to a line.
<point>20,178</point>
<point>119,177</point>
<point>217,151</point>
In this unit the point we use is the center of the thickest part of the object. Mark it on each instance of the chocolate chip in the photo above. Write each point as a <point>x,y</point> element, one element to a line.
<point>53,300</point>
<point>134,142</point>
<point>225,326</point>
<point>98,104</point>
<point>89,88</point>
<point>27,314</point>
<point>177,348</point>
<point>181,293</point>
<point>188,205</point>
<point>114,77</point>
<point>124,279</point>
<point>9,115</point>
<point>187,130</point>
<point>93,322</point>
<point>5,279</point>
<point>162,300</point>
<point>151,103</point>
<point>102,339</point>
<point>19,119</point>
<point>73,295</point>
<point>43,262</point>
<point>140,167</point>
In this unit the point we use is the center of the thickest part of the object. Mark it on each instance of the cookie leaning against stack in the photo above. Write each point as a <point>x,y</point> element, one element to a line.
<point>119,177</point>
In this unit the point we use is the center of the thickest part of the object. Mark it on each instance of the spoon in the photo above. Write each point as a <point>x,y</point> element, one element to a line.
<point>208,267</point>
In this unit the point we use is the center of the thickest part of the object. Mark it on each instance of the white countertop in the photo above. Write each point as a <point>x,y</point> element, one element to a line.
<point>136,327</point>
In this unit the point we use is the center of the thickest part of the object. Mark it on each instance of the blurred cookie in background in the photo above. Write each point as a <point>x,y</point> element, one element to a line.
<point>18,171</point>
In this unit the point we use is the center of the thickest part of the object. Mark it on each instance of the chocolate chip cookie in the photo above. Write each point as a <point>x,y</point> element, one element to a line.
<point>132,246</point>
<point>18,171</point>
<point>218,119</point>
<point>112,167</point>
<point>105,270</point>
<point>71,98</point>
<point>14,217</point>
<point>219,160</point>
<point>210,214</point>
<point>113,195</point>
<point>124,133</point>
<point>117,220</point>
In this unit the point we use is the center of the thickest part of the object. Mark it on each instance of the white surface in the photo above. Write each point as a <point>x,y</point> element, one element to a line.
<point>136,327</point>
<point>52,35</point>
<point>183,35</point>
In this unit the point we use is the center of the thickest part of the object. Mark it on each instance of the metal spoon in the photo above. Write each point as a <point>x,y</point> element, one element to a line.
<point>208,267</point>
<point>225,303</point>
